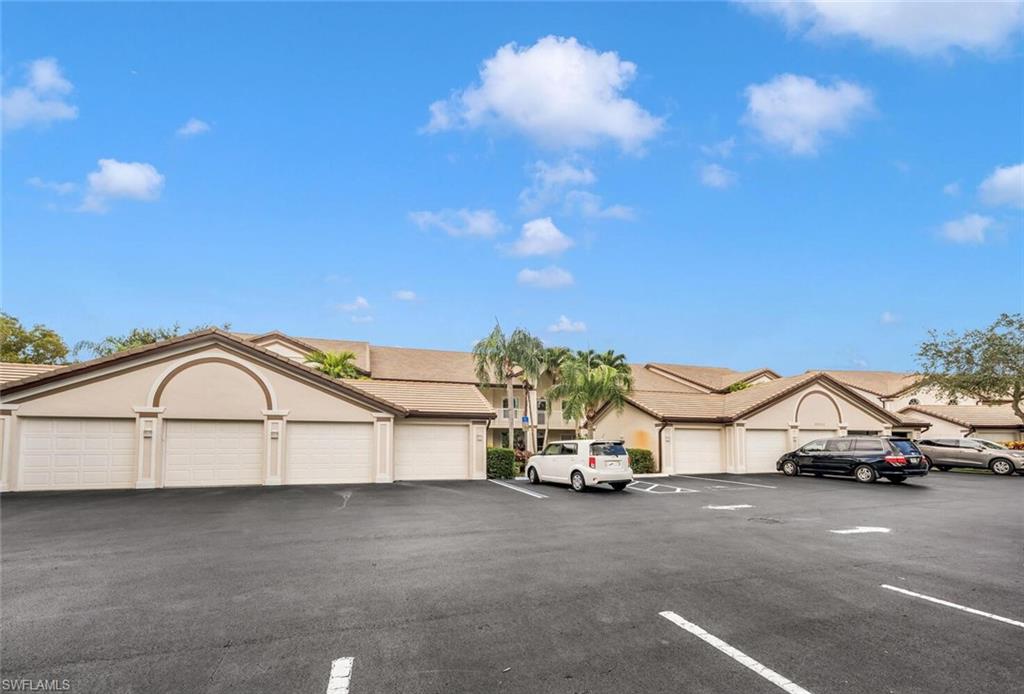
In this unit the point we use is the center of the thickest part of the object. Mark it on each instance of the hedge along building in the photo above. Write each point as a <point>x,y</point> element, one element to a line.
<point>211,408</point>
<point>743,431</point>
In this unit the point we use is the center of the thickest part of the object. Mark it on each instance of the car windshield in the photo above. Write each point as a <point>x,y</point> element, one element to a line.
<point>905,447</point>
<point>991,444</point>
<point>607,449</point>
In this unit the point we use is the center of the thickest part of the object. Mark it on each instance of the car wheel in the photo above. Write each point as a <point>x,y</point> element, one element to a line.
<point>944,468</point>
<point>532,474</point>
<point>619,486</point>
<point>790,469</point>
<point>865,473</point>
<point>1001,466</point>
<point>897,480</point>
<point>578,483</point>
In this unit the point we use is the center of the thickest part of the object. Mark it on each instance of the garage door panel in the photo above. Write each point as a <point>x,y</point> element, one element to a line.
<point>764,448</point>
<point>431,452</point>
<point>807,435</point>
<point>65,453</point>
<point>697,451</point>
<point>329,453</point>
<point>212,453</point>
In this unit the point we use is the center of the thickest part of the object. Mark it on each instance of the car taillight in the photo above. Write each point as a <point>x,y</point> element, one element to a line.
<point>895,460</point>
<point>592,462</point>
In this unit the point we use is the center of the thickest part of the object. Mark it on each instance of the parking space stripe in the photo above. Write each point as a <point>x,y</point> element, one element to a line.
<point>939,601</point>
<point>710,479</point>
<point>341,674</point>
<point>513,487</point>
<point>733,507</point>
<point>737,655</point>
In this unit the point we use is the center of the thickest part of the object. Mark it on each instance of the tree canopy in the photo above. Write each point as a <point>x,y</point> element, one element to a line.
<point>36,345</point>
<point>137,337</point>
<point>983,363</point>
<point>335,364</point>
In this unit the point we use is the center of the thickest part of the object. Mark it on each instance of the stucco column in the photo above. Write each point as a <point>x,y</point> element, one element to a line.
<point>7,426</point>
<point>843,429</point>
<point>736,463</point>
<point>274,433</point>
<point>147,445</point>
<point>794,435</point>
<point>478,450</point>
<point>384,446</point>
<point>887,431</point>
<point>666,462</point>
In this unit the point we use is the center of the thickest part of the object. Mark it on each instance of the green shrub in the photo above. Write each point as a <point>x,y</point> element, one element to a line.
<point>641,460</point>
<point>1016,445</point>
<point>501,463</point>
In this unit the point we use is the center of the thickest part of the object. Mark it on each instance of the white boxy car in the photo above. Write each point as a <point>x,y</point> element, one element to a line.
<point>582,463</point>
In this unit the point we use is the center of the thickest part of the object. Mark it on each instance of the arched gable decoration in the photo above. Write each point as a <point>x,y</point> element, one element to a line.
<point>156,392</point>
<point>826,395</point>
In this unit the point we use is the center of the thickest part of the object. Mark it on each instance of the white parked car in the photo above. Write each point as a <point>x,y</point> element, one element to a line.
<point>582,463</point>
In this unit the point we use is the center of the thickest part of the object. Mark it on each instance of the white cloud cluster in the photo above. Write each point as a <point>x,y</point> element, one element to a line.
<point>722,149</point>
<point>541,237</point>
<point>41,100</point>
<point>193,127</point>
<point>952,189</point>
<point>461,222</point>
<point>551,277</point>
<point>971,228</point>
<point>58,187</point>
<point>717,176</point>
<point>404,295</point>
<point>558,92</point>
<point>920,28</point>
<point>1004,186</point>
<point>118,179</point>
<point>796,112</point>
<point>358,304</point>
<point>565,325</point>
<point>591,206</point>
<point>561,182</point>
<point>888,318</point>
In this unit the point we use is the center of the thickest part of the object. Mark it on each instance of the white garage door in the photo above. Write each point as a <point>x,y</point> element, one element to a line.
<point>431,452</point>
<point>807,435</point>
<point>764,448</point>
<point>328,453</point>
<point>212,453</point>
<point>697,451</point>
<point>59,453</point>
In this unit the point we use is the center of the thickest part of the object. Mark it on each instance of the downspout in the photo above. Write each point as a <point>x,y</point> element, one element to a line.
<point>661,429</point>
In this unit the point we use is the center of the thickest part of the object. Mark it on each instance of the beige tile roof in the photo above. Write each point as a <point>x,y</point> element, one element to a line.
<point>10,371</point>
<point>645,379</point>
<point>422,398</point>
<point>712,377</point>
<point>406,364</point>
<point>359,348</point>
<point>989,416</point>
<point>881,383</point>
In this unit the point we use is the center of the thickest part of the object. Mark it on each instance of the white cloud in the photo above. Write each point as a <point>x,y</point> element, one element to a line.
<point>920,28</point>
<point>362,319</point>
<point>795,112</point>
<point>551,277</point>
<point>717,176</point>
<point>1004,186</point>
<point>41,100</point>
<point>192,127</point>
<point>541,237</point>
<point>404,295</point>
<point>859,363</point>
<point>722,149</point>
<point>888,318</point>
<point>461,222</point>
<point>358,304</point>
<point>557,92</point>
<point>549,183</point>
<point>58,187</point>
<point>118,179</point>
<point>971,228</point>
<point>591,206</point>
<point>952,189</point>
<point>564,325</point>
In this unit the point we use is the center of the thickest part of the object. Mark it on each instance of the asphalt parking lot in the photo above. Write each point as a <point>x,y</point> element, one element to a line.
<point>478,587</point>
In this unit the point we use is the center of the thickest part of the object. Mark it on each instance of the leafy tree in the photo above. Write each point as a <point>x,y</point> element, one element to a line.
<point>739,385</point>
<point>614,359</point>
<point>587,387</point>
<point>335,364</point>
<point>137,337</point>
<point>552,361</point>
<point>35,345</point>
<point>500,359</point>
<point>985,363</point>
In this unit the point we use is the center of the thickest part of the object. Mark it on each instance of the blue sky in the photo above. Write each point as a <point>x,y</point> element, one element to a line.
<point>702,183</point>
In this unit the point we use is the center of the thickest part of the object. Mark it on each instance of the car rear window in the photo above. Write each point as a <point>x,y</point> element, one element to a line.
<point>868,445</point>
<point>607,449</point>
<point>905,447</point>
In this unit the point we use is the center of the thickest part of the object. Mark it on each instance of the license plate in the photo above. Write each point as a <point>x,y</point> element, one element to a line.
<point>913,461</point>
<point>613,463</point>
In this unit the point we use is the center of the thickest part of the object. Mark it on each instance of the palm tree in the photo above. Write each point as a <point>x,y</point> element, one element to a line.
<point>615,360</point>
<point>335,364</point>
<point>500,359</point>
<point>553,359</point>
<point>587,388</point>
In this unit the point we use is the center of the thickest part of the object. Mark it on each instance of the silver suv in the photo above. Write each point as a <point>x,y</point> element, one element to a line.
<point>974,453</point>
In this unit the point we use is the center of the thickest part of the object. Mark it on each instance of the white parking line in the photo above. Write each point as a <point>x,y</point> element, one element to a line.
<point>737,655</point>
<point>938,601</point>
<point>341,673</point>
<point>652,488</point>
<point>728,508</point>
<point>860,529</point>
<point>745,484</point>
<point>535,495</point>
